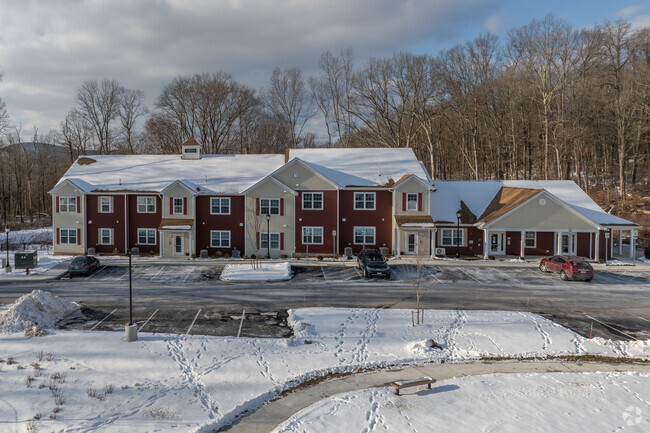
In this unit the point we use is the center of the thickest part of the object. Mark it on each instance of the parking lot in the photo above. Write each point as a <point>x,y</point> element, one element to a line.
<point>189,297</point>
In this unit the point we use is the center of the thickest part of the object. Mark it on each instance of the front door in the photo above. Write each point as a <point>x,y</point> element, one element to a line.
<point>412,245</point>
<point>569,244</point>
<point>497,244</point>
<point>178,244</point>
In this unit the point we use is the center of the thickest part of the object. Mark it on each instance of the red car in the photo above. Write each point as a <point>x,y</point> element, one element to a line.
<point>569,268</point>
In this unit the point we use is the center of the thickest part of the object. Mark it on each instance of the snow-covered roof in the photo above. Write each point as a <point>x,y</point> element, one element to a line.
<point>362,166</point>
<point>212,174</point>
<point>477,195</point>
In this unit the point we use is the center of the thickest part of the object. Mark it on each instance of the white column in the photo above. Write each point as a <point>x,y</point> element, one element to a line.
<point>486,244</point>
<point>432,245</point>
<point>632,245</point>
<point>611,244</point>
<point>597,253</point>
<point>522,254</point>
<point>591,236</point>
<point>399,245</point>
<point>559,244</point>
<point>620,242</point>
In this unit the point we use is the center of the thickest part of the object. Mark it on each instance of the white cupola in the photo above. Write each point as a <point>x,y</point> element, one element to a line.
<point>191,149</point>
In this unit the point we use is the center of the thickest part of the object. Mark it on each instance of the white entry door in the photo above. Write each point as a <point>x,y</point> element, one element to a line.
<point>568,244</point>
<point>497,243</point>
<point>178,244</point>
<point>411,243</point>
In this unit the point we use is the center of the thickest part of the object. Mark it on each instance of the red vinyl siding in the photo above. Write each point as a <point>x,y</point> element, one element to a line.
<point>231,222</point>
<point>143,221</point>
<point>420,202</point>
<point>473,244</point>
<point>57,204</point>
<point>97,220</point>
<point>380,218</point>
<point>325,218</point>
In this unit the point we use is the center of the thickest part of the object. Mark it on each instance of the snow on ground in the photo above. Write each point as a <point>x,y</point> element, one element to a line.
<point>568,402</point>
<point>138,386</point>
<point>617,262</point>
<point>264,272</point>
<point>37,308</point>
<point>46,260</point>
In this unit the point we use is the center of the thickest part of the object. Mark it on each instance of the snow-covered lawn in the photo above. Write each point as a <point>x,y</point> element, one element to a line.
<point>263,272</point>
<point>553,402</point>
<point>172,383</point>
<point>46,261</point>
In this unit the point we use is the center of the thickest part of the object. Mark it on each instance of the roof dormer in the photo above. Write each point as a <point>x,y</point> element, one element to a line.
<point>191,149</point>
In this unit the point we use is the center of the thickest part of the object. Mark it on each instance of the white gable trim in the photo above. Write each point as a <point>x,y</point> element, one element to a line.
<point>181,183</point>
<point>561,203</point>
<point>272,179</point>
<point>308,167</point>
<point>65,182</point>
<point>412,178</point>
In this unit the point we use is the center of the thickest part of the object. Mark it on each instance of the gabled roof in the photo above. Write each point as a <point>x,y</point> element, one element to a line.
<point>212,174</point>
<point>362,166</point>
<point>191,142</point>
<point>411,178</point>
<point>423,221</point>
<point>478,194</point>
<point>507,199</point>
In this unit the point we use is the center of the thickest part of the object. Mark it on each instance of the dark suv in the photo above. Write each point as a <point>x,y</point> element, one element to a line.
<point>372,264</point>
<point>83,265</point>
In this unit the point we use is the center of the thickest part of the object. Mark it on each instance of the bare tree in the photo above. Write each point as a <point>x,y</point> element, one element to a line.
<point>4,116</point>
<point>75,134</point>
<point>131,108</point>
<point>286,97</point>
<point>98,103</point>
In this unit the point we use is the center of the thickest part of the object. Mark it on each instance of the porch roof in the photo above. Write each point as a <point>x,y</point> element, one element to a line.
<point>414,221</point>
<point>175,224</point>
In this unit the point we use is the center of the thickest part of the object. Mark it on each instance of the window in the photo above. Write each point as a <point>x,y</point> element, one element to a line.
<point>68,204</point>
<point>147,236</point>
<point>270,206</point>
<point>364,200</point>
<point>191,150</point>
<point>179,208</point>
<point>451,236</point>
<point>105,204</point>
<point>106,236</point>
<point>364,235</point>
<point>220,205</point>
<point>411,201</point>
<point>312,200</point>
<point>220,239</point>
<point>531,239</point>
<point>312,235</point>
<point>68,236</point>
<point>275,241</point>
<point>146,204</point>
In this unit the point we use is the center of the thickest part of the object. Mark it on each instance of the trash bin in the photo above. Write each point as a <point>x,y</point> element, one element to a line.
<point>26,259</point>
<point>204,254</point>
<point>236,254</point>
<point>91,251</point>
<point>347,251</point>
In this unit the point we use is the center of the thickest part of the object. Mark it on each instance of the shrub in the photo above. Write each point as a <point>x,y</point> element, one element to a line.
<point>253,256</point>
<point>244,257</point>
<point>10,360</point>
<point>108,389</point>
<point>319,258</point>
<point>28,381</point>
<point>37,415</point>
<point>226,256</point>
<point>31,427</point>
<point>40,355</point>
<point>219,254</point>
<point>283,256</point>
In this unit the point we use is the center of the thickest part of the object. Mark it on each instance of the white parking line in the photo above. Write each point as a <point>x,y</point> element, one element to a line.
<point>433,274</point>
<point>611,327</point>
<point>143,325</point>
<point>188,274</point>
<point>359,274</point>
<point>324,276</point>
<point>645,320</point>
<point>156,274</point>
<point>195,317</point>
<point>470,275</point>
<point>97,324</point>
<point>96,272</point>
<point>508,277</point>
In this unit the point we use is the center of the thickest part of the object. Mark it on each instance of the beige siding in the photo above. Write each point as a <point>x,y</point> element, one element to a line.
<point>534,216</point>
<point>69,220</point>
<point>168,244</point>
<point>414,188</point>
<point>422,240</point>
<point>278,224</point>
<point>178,191</point>
<point>306,178</point>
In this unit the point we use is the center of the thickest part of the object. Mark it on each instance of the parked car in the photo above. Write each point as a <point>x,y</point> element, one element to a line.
<point>373,264</point>
<point>83,265</point>
<point>569,268</point>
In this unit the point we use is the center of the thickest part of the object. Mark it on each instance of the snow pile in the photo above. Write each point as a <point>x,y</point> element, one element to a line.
<point>265,272</point>
<point>568,402</point>
<point>616,262</point>
<point>28,237</point>
<point>37,309</point>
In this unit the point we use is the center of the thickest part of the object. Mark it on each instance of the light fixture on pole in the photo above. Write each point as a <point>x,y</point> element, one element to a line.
<point>458,234</point>
<point>7,267</point>
<point>131,330</point>
<point>268,236</point>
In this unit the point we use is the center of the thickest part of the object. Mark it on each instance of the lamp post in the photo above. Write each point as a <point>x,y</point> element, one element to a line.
<point>7,267</point>
<point>131,330</point>
<point>458,234</point>
<point>268,235</point>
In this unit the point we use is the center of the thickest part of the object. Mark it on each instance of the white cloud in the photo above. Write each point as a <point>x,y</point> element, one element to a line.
<point>48,48</point>
<point>630,11</point>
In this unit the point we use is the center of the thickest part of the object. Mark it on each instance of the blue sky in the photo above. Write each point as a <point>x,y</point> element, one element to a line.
<point>48,48</point>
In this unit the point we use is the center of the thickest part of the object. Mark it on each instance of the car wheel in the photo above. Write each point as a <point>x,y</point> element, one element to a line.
<point>588,280</point>
<point>542,267</point>
<point>564,276</point>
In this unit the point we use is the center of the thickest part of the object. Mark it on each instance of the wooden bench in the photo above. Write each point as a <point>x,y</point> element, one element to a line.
<point>413,382</point>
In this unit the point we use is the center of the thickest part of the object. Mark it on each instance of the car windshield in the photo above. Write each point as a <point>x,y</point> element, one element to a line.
<point>375,258</point>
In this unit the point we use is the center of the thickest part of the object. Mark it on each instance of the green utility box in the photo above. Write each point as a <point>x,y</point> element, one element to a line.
<point>26,259</point>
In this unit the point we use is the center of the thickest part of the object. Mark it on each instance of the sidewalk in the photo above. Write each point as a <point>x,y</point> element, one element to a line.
<point>269,416</point>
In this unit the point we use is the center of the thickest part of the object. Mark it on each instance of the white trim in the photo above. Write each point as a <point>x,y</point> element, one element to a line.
<point>101,237</point>
<point>137,231</point>
<point>76,231</point>
<point>220,239</point>
<point>101,205</point>
<point>417,201</point>
<point>322,200</point>
<point>463,237</point>
<point>271,245</point>
<point>365,235</point>
<point>416,178</point>
<point>137,204</point>
<point>178,182</point>
<point>270,177</point>
<point>182,205</point>
<point>354,200</point>
<point>67,204</point>
<point>534,239</point>
<point>221,198</point>
<point>280,210</point>
<point>322,235</point>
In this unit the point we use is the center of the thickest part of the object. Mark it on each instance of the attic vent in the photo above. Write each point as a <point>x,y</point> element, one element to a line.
<point>86,161</point>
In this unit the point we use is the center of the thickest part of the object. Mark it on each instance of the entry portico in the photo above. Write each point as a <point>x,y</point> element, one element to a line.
<point>415,235</point>
<point>176,237</point>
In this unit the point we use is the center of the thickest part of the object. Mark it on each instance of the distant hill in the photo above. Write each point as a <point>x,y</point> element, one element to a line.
<point>51,150</point>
